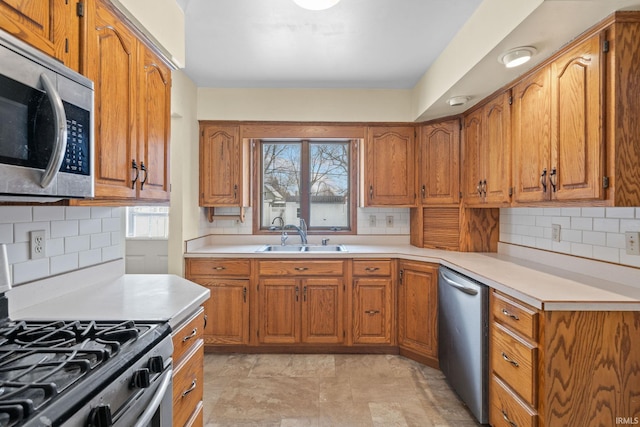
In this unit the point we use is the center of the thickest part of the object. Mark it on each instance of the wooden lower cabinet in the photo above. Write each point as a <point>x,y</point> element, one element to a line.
<point>295,310</point>
<point>562,368</point>
<point>188,371</point>
<point>418,311</point>
<point>373,301</point>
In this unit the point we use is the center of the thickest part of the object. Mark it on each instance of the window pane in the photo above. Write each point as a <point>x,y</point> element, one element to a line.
<point>329,184</point>
<point>150,222</point>
<point>280,182</point>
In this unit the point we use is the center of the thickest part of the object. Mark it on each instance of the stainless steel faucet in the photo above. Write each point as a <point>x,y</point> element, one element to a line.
<point>302,230</point>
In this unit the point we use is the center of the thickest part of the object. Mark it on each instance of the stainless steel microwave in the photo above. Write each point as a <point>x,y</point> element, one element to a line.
<point>46,126</point>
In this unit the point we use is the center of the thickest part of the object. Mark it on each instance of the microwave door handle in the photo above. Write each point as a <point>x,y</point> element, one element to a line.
<point>60,143</point>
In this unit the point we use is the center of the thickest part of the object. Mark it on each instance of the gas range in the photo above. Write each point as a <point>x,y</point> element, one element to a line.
<point>49,371</point>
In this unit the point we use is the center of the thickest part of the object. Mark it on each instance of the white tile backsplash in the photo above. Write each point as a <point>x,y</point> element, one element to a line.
<point>594,232</point>
<point>70,233</point>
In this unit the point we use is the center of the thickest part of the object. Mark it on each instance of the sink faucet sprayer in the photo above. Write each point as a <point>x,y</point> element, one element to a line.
<point>302,230</point>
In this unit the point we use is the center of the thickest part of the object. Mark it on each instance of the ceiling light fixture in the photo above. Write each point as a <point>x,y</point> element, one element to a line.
<point>457,101</point>
<point>316,4</point>
<point>518,56</point>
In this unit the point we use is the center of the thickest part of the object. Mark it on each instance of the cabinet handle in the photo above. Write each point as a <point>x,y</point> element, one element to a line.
<point>371,191</point>
<point>513,316</point>
<point>219,268</point>
<point>194,383</point>
<point>424,191</point>
<point>297,293</point>
<point>134,166</point>
<point>510,360</point>
<point>191,335</point>
<point>244,294</point>
<point>506,418</point>
<point>553,176</point>
<point>235,191</point>
<point>205,322</point>
<point>304,294</point>
<point>484,188</point>
<point>301,268</point>
<point>479,188</point>
<point>543,180</point>
<point>372,312</point>
<point>143,168</point>
<point>372,269</point>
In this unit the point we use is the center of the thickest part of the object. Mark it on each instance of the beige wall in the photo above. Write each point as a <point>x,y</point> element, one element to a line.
<point>337,105</point>
<point>184,211</point>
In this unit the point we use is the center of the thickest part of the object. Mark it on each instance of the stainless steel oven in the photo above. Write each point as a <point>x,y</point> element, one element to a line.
<point>46,126</point>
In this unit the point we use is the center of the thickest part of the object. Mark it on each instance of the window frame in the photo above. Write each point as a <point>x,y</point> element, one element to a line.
<point>304,207</point>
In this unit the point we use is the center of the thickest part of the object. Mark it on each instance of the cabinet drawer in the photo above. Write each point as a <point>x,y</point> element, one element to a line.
<point>301,268</point>
<point>372,267</point>
<point>197,418</point>
<point>188,385</point>
<point>507,409</point>
<point>187,335</point>
<point>218,267</point>
<point>515,315</point>
<point>515,361</point>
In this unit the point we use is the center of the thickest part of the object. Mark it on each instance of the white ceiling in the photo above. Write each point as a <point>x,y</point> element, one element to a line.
<point>356,44</point>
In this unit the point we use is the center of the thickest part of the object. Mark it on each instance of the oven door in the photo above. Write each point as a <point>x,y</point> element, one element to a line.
<point>153,408</point>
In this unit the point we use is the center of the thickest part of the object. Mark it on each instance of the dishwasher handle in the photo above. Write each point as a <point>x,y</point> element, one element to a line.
<point>460,287</point>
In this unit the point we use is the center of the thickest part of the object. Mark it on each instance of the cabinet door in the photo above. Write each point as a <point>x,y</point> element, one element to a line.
<point>278,311</point>
<point>531,137</point>
<point>417,308</point>
<point>372,311</point>
<point>154,127</point>
<point>496,142</point>
<point>440,160</point>
<point>219,166</point>
<point>227,311</point>
<point>113,66</point>
<point>322,311</point>
<point>31,21</point>
<point>472,159</point>
<point>389,178</point>
<point>577,139</point>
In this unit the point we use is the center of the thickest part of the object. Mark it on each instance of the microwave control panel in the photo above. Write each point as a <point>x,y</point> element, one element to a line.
<point>76,159</point>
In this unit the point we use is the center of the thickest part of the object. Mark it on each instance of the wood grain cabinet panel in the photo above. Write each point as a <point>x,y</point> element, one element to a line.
<point>507,410</point>
<point>322,311</point>
<point>439,163</point>
<point>418,310</point>
<point>188,386</point>
<point>279,311</point>
<point>373,310</point>
<point>388,167</point>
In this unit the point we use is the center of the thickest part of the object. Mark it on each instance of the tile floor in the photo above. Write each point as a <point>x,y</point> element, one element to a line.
<point>327,390</point>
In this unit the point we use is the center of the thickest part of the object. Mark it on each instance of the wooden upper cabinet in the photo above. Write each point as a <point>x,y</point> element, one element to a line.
<point>577,144</point>
<point>439,170</point>
<point>154,126</point>
<point>224,166</point>
<point>389,158</point>
<point>557,132</point>
<point>531,137</point>
<point>472,159</point>
<point>112,67</point>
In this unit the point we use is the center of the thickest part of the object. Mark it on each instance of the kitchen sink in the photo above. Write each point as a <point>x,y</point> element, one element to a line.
<point>302,248</point>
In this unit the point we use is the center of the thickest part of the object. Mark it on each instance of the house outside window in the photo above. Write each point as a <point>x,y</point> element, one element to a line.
<point>310,180</point>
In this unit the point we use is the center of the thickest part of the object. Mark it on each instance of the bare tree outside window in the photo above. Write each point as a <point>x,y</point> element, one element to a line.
<point>306,179</point>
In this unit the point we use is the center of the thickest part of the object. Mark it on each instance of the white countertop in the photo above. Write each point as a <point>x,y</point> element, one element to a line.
<point>131,296</point>
<point>542,284</point>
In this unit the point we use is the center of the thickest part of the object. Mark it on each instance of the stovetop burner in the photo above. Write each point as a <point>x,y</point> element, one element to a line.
<point>41,360</point>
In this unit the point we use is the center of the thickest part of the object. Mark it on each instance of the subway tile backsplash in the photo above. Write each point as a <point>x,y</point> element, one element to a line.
<point>595,233</point>
<point>76,237</point>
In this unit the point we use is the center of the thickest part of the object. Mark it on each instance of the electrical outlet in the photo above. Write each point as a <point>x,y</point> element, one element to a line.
<point>38,244</point>
<point>632,243</point>
<point>555,232</point>
<point>389,220</point>
<point>372,220</point>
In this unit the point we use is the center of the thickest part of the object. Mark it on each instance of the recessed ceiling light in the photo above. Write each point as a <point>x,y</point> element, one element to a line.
<point>316,4</point>
<point>456,101</point>
<point>518,56</point>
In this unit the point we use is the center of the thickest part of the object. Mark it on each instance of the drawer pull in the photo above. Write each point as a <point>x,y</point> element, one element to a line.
<point>301,268</point>
<point>194,383</point>
<point>506,418</point>
<point>372,312</point>
<point>513,316</point>
<point>193,334</point>
<point>219,268</point>
<point>372,269</point>
<point>510,360</point>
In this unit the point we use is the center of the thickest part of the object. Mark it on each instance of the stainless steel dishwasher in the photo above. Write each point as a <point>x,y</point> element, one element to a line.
<point>463,339</point>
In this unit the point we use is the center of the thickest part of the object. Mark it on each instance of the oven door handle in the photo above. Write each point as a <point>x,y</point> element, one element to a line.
<point>60,142</point>
<point>156,401</point>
